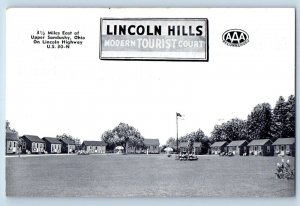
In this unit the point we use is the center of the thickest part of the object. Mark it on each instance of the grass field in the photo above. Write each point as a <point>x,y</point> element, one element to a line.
<point>145,176</point>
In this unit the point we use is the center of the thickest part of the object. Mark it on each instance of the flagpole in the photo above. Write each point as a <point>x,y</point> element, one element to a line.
<point>176,132</point>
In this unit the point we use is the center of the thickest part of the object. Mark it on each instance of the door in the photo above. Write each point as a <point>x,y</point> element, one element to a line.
<point>255,150</point>
<point>282,149</point>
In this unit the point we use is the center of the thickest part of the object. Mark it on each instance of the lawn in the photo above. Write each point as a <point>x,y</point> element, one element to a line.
<point>145,176</point>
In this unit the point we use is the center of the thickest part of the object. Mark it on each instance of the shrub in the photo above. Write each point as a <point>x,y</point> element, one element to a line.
<point>284,170</point>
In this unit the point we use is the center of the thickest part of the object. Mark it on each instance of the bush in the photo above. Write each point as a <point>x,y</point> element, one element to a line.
<point>284,170</point>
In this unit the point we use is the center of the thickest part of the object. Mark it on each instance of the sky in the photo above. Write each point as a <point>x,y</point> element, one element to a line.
<point>56,91</point>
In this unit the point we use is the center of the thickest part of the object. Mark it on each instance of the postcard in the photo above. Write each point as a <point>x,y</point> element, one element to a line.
<point>136,102</point>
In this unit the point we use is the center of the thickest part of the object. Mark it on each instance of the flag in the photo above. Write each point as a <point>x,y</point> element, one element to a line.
<point>178,114</point>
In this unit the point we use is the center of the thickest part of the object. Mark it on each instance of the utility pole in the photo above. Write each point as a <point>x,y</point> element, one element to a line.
<point>176,133</point>
<point>177,115</point>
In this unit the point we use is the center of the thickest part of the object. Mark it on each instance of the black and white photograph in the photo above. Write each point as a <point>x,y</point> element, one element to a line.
<point>156,102</point>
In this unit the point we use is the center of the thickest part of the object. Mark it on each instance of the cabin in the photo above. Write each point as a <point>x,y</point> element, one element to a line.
<point>32,144</point>
<point>261,147</point>
<point>152,146</point>
<point>53,145</point>
<point>67,146</point>
<point>12,142</point>
<point>238,147</point>
<point>94,147</point>
<point>218,147</point>
<point>182,147</point>
<point>284,146</point>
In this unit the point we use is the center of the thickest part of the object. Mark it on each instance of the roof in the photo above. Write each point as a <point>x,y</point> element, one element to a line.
<point>12,136</point>
<point>148,142</point>
<point>94,143</point>
<point>185,144</point>
<point>67,141</point>
<point>52,140</point>
<point>237,143</point>
<point>258,142</point>
<point>219,144</point>
<point>33,138</point>
<point>282,141</point>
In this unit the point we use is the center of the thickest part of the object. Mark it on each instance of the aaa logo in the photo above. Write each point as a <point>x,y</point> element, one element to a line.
<point>235,37</point>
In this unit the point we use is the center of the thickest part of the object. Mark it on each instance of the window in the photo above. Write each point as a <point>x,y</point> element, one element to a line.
<point>24,145</point>
<point>14,144</point>
<point>268,149</point>
<point>282,148</point>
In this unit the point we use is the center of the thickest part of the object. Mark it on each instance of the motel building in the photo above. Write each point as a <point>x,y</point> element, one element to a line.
<point>67,146</point>
<point>32,144</point>
<point>238,147</point>
<point>152,146</point>
<point>219,147</point>
<point>261,147</point>
<point>11,140</point>
<point>284,146</point>
<point>53,145</point>
<point>182,147</point>
<point>94,147</point>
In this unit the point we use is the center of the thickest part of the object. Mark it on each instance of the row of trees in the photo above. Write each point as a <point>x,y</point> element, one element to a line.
<point>123,135</point>
<point>263,122</point>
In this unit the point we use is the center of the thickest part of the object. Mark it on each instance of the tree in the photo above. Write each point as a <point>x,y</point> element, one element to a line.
<point>279,120</point>
<point>259,122</point>
<point>234,129</point>
<point>73,139</point>
<point>291,116</point>
<point>190,146</point>
<point>218,134</point>
<point>136,140</point>
<point>108,138</point>
<point>171,142</point>
<point>123,135</point>
<point>197,136</point>
<point>19,146</point>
